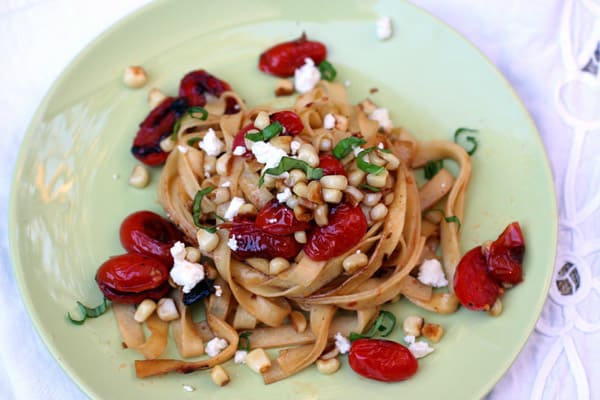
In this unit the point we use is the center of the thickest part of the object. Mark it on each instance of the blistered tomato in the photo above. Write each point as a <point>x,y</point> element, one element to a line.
<point>382,360</point>
<point>331,165</point>
<point>473,286</point>
<point>148,233</point>
<point>131,278</point>
<point>251,241</point>
<point>290,121</point>
<point>505,256</point>
<point>347,226</point>
<point>278,219</point>
<point>284,58</point>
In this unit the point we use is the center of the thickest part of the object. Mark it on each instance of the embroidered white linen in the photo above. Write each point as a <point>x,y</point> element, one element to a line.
<point>541,46</point>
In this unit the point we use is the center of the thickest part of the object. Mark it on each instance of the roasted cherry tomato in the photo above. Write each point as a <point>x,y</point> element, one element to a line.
<point>148,233</point>
<point>382,360</point>
<point>251,241</point>
<point>284,58</point>
<point>473,286</point>
<point>290,121</point>
<point>331,165</point>
<point>195,84</point>
<point>238,140</point>
<point>278,219</point>
<point>347,226</point>
<point>157,126</point>
<point>131,278</point>
<point>505,256</point>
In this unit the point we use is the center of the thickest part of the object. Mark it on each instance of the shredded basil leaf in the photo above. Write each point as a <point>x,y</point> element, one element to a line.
<point>432,168</point>
<point>327,70</point>
<point>369,187</point>
<point>383,326</point>
<point>269,132</point>
<point>197,209</point>
<point>345,146</point>
<point>193,141</point>
<point>367,166</point>
<point>465,133</point>
<point>88,312</point>
<point>191,111</point>
<point>288,164</point>
<point>450,219</point>
<point>244,342</point>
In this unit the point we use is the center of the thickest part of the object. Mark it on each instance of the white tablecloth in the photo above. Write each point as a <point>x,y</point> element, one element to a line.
<point>548,51</point>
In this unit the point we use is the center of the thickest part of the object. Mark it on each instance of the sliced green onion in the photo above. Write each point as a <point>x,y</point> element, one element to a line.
<point>345,146</point>
<point>191,111</point>
<point>464,133</point>
<point>244,342</point>
<point>269,132</point>
<point>327,70</point>
<point>193,141</point>
<point>369,187</point>
<point>197,209</point>
<point>383,326</point>
<point>432,168</point>
<point>287,164</point>
<point>88,312</point>
<point>367,166</point>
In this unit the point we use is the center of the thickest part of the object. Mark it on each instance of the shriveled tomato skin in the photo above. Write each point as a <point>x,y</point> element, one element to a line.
<point>251,241</point>
<point>331,165</point>
<point>238,140</point>
<point>382,360</point>
<point>347,226</point>
<point>278,219</point>
<point>473,286</point>
<point>284,58</point>
<point>128,277</point>
<point>155,127</point>
<point>195,84</point>
<point>505,256</point>
<point>290,121</point>
<point>148,233</point>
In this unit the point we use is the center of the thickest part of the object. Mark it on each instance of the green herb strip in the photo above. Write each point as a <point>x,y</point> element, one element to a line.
<point>367,166</point>
<point>287,164</point>
<point>432,168</point>
<point>193,141</point>
<point>345,146</point>
<point>244,342</point>
<point>451,219</point>
<point>462,135</point>
<point>369,187</point>
<point>383,326</point>
<point>88,312</point>
<point>191,112</point>
<point>327,70</point>
<point>197,209</point>
<point>269,132</point>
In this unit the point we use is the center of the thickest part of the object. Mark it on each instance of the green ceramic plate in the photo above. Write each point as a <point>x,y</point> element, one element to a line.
<point>70,189</point>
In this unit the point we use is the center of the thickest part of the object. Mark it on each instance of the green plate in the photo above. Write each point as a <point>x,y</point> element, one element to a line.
<point>70,188</point>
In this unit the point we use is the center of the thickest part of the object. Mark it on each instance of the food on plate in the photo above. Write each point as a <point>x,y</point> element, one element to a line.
<point>292,228</point>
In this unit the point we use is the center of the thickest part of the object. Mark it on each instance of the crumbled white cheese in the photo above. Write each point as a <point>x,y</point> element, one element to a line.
<point>225,184</point>
<point>329,121</point>
<point>342,343</point>
<point>295,146</point>
<point>356,150</point>
<point>215,346</point>
<point>188,388</point>
<point>267,154</point>
<point>285,195</point>
<point>431,273</point>
<point>381,145</point>
<point>185,273</point>
<point>182,149</point>
<point>211,144</point>
<point>382,116</point>
<point>232,243</point>
<point>307,76</point>
<point>240,357</point>
<point>239,151</point>
<point>234,208</point>
<point>218,290</point>
<point>384,28</point>
<point>418,349</point>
